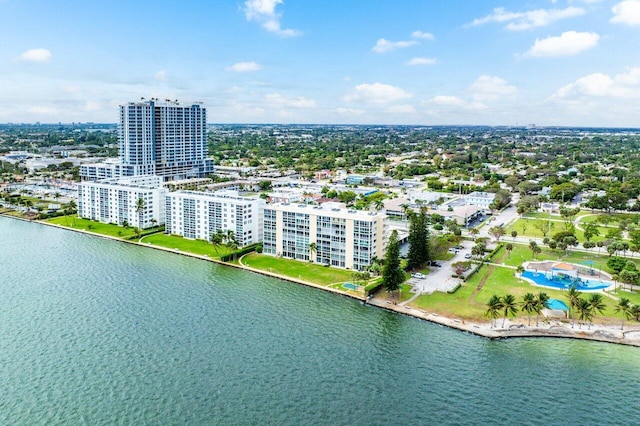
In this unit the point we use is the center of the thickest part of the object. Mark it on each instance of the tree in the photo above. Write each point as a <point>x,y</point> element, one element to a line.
<point>514,234</point>
<point>591,230</point>
<point>216,239</point>
<point>542,299</point>
<point>392,273</point>
<point>509,306</point>
<point>528,305</point>
<point>497,232</point>
<point>596,304</point>
<point>478,250</point>
<point>494,307</point>
<point>508,248</point>
<point>140,210</point>
<point>313,249</point>
<point>533,246</point>
<point>418,253</point>
<point>584,311</point>
<point>623,306</point>
<point>573,295</point>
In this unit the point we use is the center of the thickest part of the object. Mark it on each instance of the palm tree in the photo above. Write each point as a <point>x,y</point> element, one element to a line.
<point>596,304</point>
<point>573,296</point>
<point>623,305</point>
<point>508,248</point>
<point>541,303</point>
<point>510,307</point>
<point>494,306</point>
<point>584,311</point>
<point>216,239</point>
<point>528,305</point>
<point>634,312</point>
<point>514,234</point>
<point>533,246</point>
<point>139,210</point>
<point>378,205</point>
<point>313,249</point>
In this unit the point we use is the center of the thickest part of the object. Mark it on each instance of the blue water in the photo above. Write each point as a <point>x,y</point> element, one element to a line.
<point>564,284</point>
<point>557,305</point>
<point>350,286</point>
<point>98,332</point>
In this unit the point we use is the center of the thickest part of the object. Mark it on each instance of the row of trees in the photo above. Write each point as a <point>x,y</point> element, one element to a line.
<point>584,309</point>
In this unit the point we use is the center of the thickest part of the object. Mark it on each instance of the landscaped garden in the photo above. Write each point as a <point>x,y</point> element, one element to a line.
<point>109,229</point>
<point>175,242</point>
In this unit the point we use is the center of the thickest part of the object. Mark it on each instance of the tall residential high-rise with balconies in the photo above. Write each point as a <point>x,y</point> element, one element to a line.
<point>159,137</point>
<point>164,138</point>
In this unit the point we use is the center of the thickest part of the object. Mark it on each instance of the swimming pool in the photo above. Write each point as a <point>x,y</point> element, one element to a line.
<point>580,284</point>
<point>556,304</point>
<point>351,286</point>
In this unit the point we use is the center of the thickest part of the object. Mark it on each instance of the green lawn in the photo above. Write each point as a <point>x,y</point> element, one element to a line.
<point>199,247</point>
<point>500,282</point>
<point>306,271</point>
<point>96,227</point>
<point>522,253</point>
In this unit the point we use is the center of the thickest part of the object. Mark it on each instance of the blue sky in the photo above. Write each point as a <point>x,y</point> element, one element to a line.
<point>562,62</point>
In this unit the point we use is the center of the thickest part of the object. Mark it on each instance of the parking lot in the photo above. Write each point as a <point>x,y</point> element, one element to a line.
<point>439,279</point>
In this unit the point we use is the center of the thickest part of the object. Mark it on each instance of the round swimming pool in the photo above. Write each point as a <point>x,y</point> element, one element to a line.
<point>565,284</point>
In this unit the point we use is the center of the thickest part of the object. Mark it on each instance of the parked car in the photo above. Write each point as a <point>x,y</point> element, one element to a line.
<point>435,263</point>
<point>467,256</point>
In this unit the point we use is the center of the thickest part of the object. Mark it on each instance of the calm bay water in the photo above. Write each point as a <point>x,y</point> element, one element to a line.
<point>97,332</point>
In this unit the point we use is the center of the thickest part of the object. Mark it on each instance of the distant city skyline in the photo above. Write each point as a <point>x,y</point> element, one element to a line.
<point>548,62</point>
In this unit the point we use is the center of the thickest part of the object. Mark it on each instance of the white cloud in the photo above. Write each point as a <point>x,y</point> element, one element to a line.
<point>598,85</point>
<point>400,109</point>
<point>160,75</point>
<point>383,45</point>
<point>35,55</point>
<point>566,44</point>
<point>516,21</point>
<point>455,102</point>
<point>350,111</point>
<point>376,93</point>
<point>264,12</point>
<point>420,61</point>
<point>278,100</point>
<point>245,67</point>
<point>422,35</point>
<point>487,88</point>
<point>626,12</point>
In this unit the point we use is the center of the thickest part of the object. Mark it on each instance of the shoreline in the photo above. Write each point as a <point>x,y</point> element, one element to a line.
<point>552,329</point>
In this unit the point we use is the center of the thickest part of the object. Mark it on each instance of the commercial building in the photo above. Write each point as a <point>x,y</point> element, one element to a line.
<point>197,215</point>
<point>162,138</point>
<point>138,201</point>
<point>330,236</point>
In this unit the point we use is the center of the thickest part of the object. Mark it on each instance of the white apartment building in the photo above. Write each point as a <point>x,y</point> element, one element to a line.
<point>162,138</point>
<point>480,199</point>
<point>117,201</point>
<point>343,238</point>
<point>98,171</point>
<point>197,215</point>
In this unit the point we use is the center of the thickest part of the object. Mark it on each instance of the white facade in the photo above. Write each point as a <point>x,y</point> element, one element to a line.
<point>197,215</point>
<point>116,201</point>
<point>163,138</point>
<point>99,171</point>
<point>343,238</point>
<point>480,199</point>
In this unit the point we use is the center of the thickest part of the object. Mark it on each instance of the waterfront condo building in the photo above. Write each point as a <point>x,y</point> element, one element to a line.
<point>343,238</point>
<point>159,137</point>
<point>198,215</point>
<point>136,200</point>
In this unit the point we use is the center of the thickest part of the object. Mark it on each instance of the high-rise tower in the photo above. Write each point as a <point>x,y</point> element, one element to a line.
<point>163,138</point>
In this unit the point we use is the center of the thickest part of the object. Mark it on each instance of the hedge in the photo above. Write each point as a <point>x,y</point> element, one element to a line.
<point>453,290</point>
<point>236,254</point>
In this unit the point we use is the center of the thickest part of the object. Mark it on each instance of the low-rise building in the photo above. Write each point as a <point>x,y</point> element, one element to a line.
<point>197,215</point>
<point>118,201</point>
<point>481,199</point>
<point>331,236</point>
